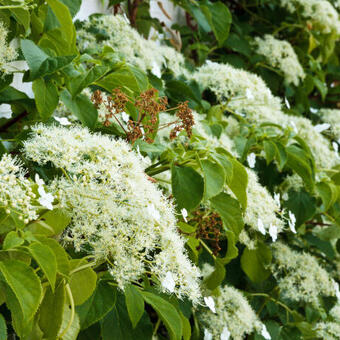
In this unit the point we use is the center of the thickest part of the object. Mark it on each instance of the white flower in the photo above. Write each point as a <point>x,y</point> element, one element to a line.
<point>225,335</point>
<point>153,212</point>
<point>335,146</point>
<point>277,199</point>
<point>46,199</point>
<point>337,290</point>
<point>265,333</point>
<point>260,227</point>
<point>125,117</point>
<point>322,127</point>
<point>293,125</point>
<point>273,232</point>
<point>5,111</point>
<point>207,335</point>
<point>184,214</point>
<point>291,222</point>
<point>313,110</point>
<point>62,121</point>
<point>156,70</point>
<point>209,301</point>
<point>287,103</point>
<point>249,94</point>
<point>280,54</point>
<point>39,180</point>
<point>251,159</point>
<point>169,283</point>
<point>285,196</point>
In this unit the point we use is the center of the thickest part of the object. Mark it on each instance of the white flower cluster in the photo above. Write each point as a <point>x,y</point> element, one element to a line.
<point>233,316</point>
<point>7,52</point>
<point>16,195</point>
<point>261,208</point>
<point>129,45</point>
<point>332,117</point>
<point>299,275</point>
<point>321,13</point>
<point>247,94</point>
<point>328,330</point>
<point>118,215</point>
<point>280,54</point>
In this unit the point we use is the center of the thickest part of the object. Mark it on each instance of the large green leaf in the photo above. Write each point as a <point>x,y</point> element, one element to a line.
<point>82,107</point>
<point>230,211</point>
<point>3,328</point>
<point>52,311</point>
<point>51,223</point>
<point>328,192</point>
<point>126,77</point>
<point>219,19</point>
<point>82,281</point>
<point>187,187</point>
<point>25,285</point>
<point>63,264</point>
<point>134,303</point>
<point>255,262</point>
<point>239,182</point>
<point>117,324</point>
<point>39,62</point>
<point>73,6</point>
<point>46,260</point>
<point>46,97</point>
<point>97,306</point>
<point>214,178</point>
<point>167,313</point>
<point>63,38</point>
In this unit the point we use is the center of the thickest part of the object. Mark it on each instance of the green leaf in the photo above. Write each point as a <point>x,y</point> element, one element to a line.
<point>187,187</point>
<point>219,19</point>
<point>270,150</point>
<point>82,107</point>
<point>117,324</point>
<point>281,155</point>
<point>63,39</point>
<point>329,193</point>
<point>73,329</point>
<point>82,282</point>
<point>51,311</point>
<point>239,182</point>
<point>214,178</point>
<point>302,205</point>
<point>299,161</point>
<point>77,84</point>
<point>39,62</point>
<point>63,264</point>
<point>73,6</point>
<point>51,223</point>
<point>12,240</point>
<point>25,285</point>
<point>46,260</point>
<point>254,262</point>
<point>230,211</point>
<point>217,276</point>
<point>134,303</point>
<point>167,313</point>
<point>126,77</point>
<point>3,328</point>
<point>46,97</point>
<point>97,306</point>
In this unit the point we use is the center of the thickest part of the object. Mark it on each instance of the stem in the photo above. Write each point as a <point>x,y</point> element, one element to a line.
<point>207,249</point>
<point>78,269</point>
<point>69,324</point>
<point>156,326</point>
<point>4,127</point>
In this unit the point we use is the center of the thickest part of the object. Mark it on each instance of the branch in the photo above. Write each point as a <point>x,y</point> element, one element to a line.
<point>11,122</point>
